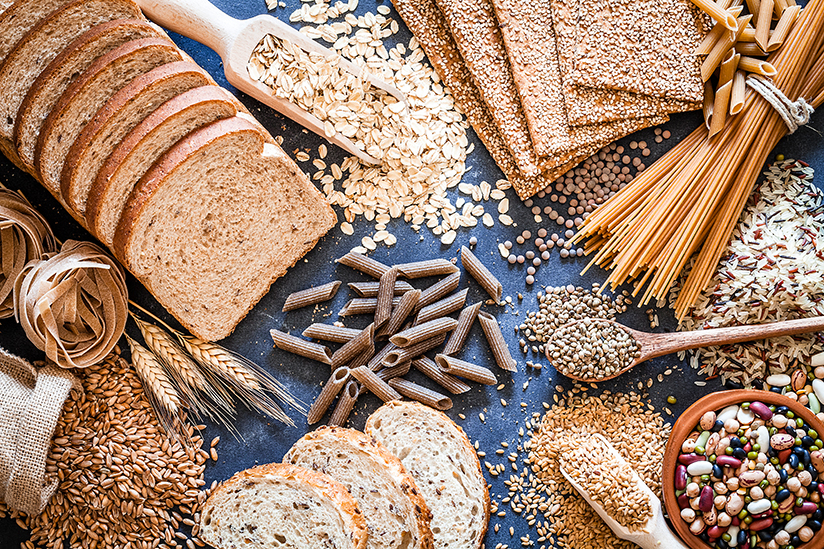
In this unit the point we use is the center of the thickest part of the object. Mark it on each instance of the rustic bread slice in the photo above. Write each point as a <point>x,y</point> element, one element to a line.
<point>87,95</point>
<point>215,221</point>
<point>440,458</point>
<point>138,150</point>
<point>125,110</point>
<point>283,507</point>
<point>63,70</point>
<point>396,515</point>
<point>20,16</point>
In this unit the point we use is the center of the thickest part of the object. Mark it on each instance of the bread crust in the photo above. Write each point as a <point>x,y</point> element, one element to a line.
<point>397,406</point>
<point>390,462</point>
<point>328,487</point>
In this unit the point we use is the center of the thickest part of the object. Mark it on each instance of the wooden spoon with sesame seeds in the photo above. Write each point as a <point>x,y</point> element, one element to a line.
<point>235,41</point>
<point>655,345</point>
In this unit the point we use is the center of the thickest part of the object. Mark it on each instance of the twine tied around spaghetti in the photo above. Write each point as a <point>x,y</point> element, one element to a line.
<point>794,113</point>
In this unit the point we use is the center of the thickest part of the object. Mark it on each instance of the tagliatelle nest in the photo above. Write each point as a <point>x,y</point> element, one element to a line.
<point>73,304</point>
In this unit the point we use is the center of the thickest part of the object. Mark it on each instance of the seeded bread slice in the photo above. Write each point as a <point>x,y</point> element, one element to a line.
<point>87,95</point>
<point>63,70</point>
<point>215,221</point>
<point>440,458</point>
<point>395,513</point>
<point>138,150</point>
<point>119,115</point>
<point>284,507</point>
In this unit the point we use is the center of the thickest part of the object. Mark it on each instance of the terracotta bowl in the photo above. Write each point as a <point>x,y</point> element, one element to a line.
<point>685,425</point>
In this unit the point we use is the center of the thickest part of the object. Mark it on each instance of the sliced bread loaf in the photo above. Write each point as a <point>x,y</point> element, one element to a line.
<point>87,95</point>
<point>116,118</point>
<point>395,513</point>
<point>282,507</point>
<point>215,221</point>
<point>142,146</point>
<point>63,70</point>
<point>440,458</point>
<point>20,16</point>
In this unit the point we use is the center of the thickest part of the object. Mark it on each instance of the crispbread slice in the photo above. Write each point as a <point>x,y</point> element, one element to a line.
<point>440,458</point>
<point>396,515</point>
<point>283,507</point>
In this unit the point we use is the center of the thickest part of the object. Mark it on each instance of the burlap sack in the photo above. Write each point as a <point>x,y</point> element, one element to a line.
<point>30,404</point>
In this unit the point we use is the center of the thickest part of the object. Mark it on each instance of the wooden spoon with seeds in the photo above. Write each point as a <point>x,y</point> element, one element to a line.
<point>235,40</point>
<point>655,345</point>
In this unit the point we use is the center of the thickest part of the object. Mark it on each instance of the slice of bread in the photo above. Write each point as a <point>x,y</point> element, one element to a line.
<point>215,221</point>
<point>20,16</point>
<point>280,506</point>
<point>439,456</point>
<point>63,70</point>
<point>138,150</point>
<point>87,95</point>
<point>395,513</point>
<point>125,110</point>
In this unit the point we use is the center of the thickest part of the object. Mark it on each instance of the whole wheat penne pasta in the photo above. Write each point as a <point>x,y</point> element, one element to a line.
<point>481,274</point>
<point>427,267</point>
<point>363,357</point>
<point>395,371</point>
<point>739,89</point>
<point>467,370</point>
<point>720,49</point>
<point>442,307</point>
<point>709,99</point>
<point>438,290</point>
<point>330,332</point>
<point>763,22</point>
<point>374,384</point>
<point>756,66</point>
<point>778,8</point>
<point>427,367</point>
<point>750,49</point>
<point>386,291</point>
<point>301,347</point>
<point>747,36</point>
<point>421,394</point>
<point>345,403</point>
<point>399,356</point>
<point>458,337</point>
<point>408,303</point>
<point>327,394</point>
<point>724,4</point>
<point>370,289</point>
<point>718,13</point>
<point>782,28</point>
<point>718,31</point>
<point>376,362</point>
<point>728,67</point>
<point>495,337</point>
<point>424,331</point>
<point>364,264</point>
<point>363,306</point>
<point>354,347</point>
<point>719,108</point>
<point>311,296</point>
<point>753,6</point>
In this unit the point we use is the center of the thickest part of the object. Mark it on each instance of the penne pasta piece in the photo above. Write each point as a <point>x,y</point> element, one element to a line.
<point>739,89</point>
<point>311,296</point>
<point>718,32</point>
<point>709,99</point>
<point>753,6</point>
<point>747,36</point>
<point>782,28</point>
<point>374,384</point>
<point>427,267</point>
<point>376,362</point>
<point>330,332</point>
<point>467,370</point>
<point>424,331</point>
<point>720,49</point>
<point>399,356</point>
<point>345,404</point>
<point>719,108</point>
<point>395,371</point>
<point>443,307</point>
<point>779,7</point>
<point>756,66</point>
<point>370,289</point>
<point>354,347</point>
<point>301,347</point>
<point>465,321</point>
<point>763,22</point>
<point>363,357</point>
<point>421,394</point>
<point>363,306</point>
<point>438,290</point>
<point>327,394</point>
<point>386,291</point>
<point>427,367</point>
<point>364,264</point>
<point>481,274</point>
<point>408,303</point>
<point>495,337</point>
<point>728,67</point>
<point>718,13</point>
<point>749,48</point>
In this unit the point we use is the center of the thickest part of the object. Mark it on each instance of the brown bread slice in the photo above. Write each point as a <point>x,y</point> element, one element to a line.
<point>20,17</point>
<point>63,70</point>
<point>396,515</point>
<point>87,95</point>
<point>284,507</point>
<point>125,110</point>
<point>440,458</point>
<point>215,221</point>
<point>43,43</point>
<point>138,150</point>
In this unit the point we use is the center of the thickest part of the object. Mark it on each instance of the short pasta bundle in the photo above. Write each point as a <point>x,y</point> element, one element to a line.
<point>690,200</point>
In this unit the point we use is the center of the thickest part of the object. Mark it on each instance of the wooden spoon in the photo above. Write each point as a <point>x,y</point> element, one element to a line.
<point>234,40</point>
<point>655,345</point>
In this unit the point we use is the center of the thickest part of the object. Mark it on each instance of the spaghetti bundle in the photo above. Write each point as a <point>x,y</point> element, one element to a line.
<point>690,200</point>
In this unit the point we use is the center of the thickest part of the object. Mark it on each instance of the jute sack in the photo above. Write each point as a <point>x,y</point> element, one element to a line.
<point>31,401</point>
